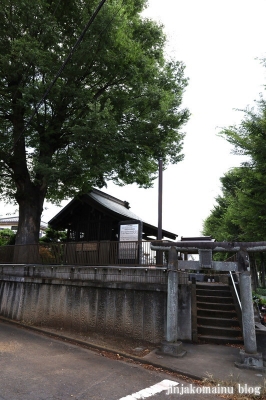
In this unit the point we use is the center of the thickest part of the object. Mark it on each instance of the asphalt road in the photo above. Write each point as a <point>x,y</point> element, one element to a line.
<point>37,367</point>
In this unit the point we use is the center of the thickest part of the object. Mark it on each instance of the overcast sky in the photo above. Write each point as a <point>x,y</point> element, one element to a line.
<point>220,42</point>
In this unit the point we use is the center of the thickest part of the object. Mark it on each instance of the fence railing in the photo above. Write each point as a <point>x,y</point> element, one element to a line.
<point>84,253</point>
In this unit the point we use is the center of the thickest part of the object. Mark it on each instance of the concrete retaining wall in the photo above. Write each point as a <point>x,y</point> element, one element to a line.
<point>128,302</point>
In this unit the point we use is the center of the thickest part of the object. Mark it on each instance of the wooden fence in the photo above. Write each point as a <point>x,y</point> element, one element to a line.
<point>84,253</point>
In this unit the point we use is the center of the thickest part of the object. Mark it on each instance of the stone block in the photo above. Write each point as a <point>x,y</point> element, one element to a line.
<point>174,349</point>
<point>250,361</point>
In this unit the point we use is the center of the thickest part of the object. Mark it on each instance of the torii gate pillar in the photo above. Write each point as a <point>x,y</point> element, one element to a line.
<point>249,357</point>
<point>171,346</point>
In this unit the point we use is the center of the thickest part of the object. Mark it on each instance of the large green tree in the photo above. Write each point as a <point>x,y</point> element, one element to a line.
<point>240,212</point>
<point>222,224</point>
<point>115,108</point>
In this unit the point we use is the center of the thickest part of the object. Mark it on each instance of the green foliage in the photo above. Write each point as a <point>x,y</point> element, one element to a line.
<point>52,235</point>
<point>258,299</point>
<point>221,223</point>
<point>263,301</point>
<point>261,291</point>
<point>240,213</point>
<point>7,237</point>
<point>113,111</point>
<point>115,108</point>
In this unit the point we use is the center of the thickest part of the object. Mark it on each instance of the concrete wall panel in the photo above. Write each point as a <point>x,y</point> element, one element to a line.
<point>92,296</point>
<point>84,311</point>
<point>44,297</point>
<point>110,321</point>
<point>102,304</point>
<point>138,314</point>
<point>159,316</point>
<point>119,312</point>
<point>148,328</point>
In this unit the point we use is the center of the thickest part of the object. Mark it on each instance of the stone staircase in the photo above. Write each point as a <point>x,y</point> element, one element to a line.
<point>217,320</point>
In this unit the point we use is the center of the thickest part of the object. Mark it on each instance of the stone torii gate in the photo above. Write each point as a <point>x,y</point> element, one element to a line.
<point>250,358</point>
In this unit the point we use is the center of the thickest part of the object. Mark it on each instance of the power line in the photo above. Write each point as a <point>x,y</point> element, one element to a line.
<point>100,5</point>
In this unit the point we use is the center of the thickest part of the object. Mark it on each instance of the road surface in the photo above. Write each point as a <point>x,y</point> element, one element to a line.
<point>36,367</point>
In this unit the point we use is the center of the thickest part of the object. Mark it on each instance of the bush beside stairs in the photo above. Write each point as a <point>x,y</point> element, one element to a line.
<point>217,320</point>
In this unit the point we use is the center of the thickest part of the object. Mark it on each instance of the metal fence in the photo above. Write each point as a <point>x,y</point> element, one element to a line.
<point>84,253</point>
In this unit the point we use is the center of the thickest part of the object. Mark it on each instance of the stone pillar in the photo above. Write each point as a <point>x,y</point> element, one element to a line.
<point>171,346</point>
<point>250,358</point>
<point>248,322</point>
<point>172,297</point>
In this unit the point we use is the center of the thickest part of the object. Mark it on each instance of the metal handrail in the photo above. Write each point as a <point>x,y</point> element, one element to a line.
<point>236,292</point>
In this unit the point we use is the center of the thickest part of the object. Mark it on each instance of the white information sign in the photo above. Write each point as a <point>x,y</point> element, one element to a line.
<point>128,233</point>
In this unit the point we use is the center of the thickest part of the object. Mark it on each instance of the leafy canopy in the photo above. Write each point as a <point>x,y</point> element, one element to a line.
<point>240,213</point>
<point>114,110</point>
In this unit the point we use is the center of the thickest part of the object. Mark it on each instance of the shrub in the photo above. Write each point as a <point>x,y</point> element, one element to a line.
<point>7,237</point>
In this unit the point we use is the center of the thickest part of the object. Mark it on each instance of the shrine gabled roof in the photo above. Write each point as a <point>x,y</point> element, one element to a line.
<point>118,208</point>
<point>113,204</point>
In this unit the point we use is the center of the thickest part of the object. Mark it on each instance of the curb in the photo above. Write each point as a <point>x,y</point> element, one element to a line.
<point>92,346</point>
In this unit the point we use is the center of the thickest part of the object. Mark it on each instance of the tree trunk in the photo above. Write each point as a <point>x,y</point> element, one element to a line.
<point>31,187</point>
<point>30,211</point>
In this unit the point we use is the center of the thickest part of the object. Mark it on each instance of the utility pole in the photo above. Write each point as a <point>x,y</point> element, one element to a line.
<point>160,199</point>
<point>159,254</point>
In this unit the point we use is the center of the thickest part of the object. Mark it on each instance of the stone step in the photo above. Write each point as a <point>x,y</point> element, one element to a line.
<point>219,293</point>
<point>218,321</point>
<point>216,306</point>
<point>220,339</point>
<point>215,299</point>
<point>219,331</point>
<point>206,312</point>
<point>212,286</point>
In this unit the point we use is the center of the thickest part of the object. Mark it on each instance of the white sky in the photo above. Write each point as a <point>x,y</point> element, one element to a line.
<point>219,41</point>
